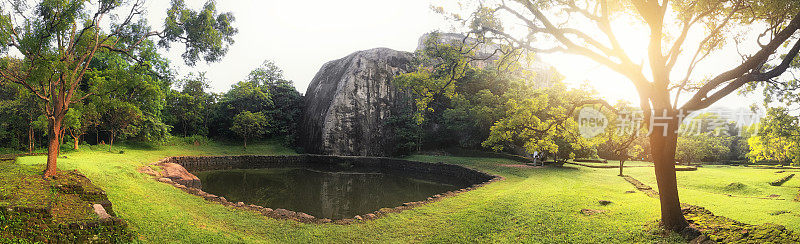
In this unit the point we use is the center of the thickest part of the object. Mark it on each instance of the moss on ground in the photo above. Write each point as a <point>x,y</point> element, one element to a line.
<point>34,209</point>
<point>726,230</point>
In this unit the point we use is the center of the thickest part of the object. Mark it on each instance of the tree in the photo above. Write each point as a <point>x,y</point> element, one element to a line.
<point>19,117</point>
<point>541,121</point>
<point>585,28</point>
<point>440,66</point>
<point>625,137</point>
<point>118,118</point>
<point>59,39</point>
<point>405,135</point>
<point>701,139</point>
<point>129,97</point>
<point>777,139</point>
<point>77,122</point>
<point>249,125</point>
<point>285,110</point>
<point>243,96</point>
<point>478,103</point>
<point>264,91</point>
<point>458,90</point>
<point>190,109</point>
<point>701,147</point>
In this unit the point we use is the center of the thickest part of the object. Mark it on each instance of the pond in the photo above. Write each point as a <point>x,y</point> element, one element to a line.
<point>321,192</point>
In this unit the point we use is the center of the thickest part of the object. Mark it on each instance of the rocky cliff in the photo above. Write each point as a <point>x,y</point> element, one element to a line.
<point>349,100</point>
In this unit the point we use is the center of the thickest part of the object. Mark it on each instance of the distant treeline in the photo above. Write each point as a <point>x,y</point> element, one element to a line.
<point>143,101</point>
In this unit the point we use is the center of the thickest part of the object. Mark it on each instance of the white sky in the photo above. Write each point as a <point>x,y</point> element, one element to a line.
<point>301,35</point>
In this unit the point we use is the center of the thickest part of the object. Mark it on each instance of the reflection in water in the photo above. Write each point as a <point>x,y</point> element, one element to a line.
<point>323,194</point>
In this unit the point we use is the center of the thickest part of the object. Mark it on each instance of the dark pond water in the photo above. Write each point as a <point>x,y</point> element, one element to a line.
<point>322,193</point>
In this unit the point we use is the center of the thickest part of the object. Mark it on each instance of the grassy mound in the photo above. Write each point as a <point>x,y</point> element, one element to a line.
<point>725,230</point>
<point>53,210</point>
<point>735,187</point>
<point>780,181</point>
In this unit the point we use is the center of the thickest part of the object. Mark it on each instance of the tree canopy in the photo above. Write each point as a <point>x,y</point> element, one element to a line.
<point>587,28</point>
<point>49,47</point>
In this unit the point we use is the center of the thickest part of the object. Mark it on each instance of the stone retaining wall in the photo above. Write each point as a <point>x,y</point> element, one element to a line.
<point>440,172</point>
<point>467,179</point>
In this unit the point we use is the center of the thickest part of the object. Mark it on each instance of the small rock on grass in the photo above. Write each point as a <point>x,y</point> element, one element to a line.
<point>304,215</point>
<point>100,211</point>
<point>605,202</point>
<point>149,171</point>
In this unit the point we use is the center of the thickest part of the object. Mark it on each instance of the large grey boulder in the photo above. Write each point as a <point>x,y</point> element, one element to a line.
<point>349,101</point>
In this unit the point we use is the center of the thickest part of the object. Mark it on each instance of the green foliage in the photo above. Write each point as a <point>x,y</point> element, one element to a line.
<point>776,139</point>
<point>285,112</point>
<point>17,118</point>
<point>708,138</point>
<point>455,103</point>
<point>203,32</point>
<point>73,50</point>
<point>405,135</point>
<point>265,91</point>
<point>189,111</point>
<point>250,125</point>
<point>129,99</point>
<point>478,104</point>
<point>625,137</point>
<point>702,147</point>
<point>190,140</point>
<point>540,120</point>
<point>440,65</point>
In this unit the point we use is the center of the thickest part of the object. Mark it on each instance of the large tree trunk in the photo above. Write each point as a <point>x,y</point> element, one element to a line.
<point>621,165</point>
<point>663,152</point>
<point>245,143</point>
<point>53,145</point>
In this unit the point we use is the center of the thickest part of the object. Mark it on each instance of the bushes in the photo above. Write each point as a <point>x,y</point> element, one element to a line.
<point>189,140</point>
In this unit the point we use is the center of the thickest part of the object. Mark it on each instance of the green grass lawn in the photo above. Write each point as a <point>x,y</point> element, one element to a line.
<point>531,205</point>
<point>709,186</point>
